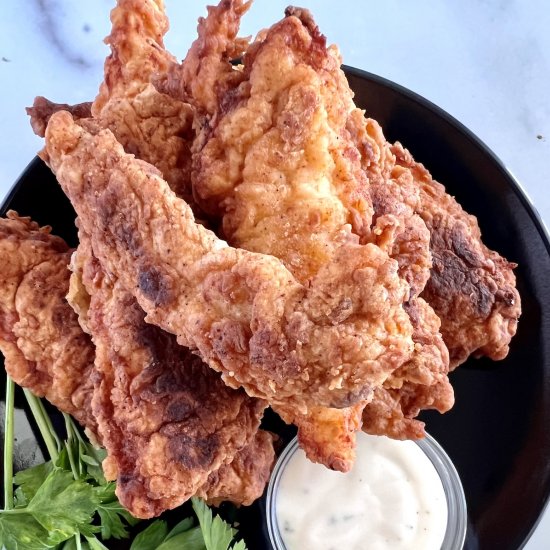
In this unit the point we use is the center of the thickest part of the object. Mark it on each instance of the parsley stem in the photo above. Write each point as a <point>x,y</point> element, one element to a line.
<point>44,424</point>
<point>77,540</point>
<point>15,511</point>
<point>69,444</point>
<point>8,445</point>
<point>76,431</point>
<point>74,435</point>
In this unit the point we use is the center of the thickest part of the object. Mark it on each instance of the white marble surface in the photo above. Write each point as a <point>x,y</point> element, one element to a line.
<point>487,62</point>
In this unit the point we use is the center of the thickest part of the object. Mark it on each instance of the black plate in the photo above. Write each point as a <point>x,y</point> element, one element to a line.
<point>498,433</point>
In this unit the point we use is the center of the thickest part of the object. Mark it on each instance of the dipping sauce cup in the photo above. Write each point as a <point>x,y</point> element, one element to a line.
<point>399,495</point>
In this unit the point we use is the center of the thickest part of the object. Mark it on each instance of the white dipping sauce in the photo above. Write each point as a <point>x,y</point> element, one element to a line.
<point>392,499</point>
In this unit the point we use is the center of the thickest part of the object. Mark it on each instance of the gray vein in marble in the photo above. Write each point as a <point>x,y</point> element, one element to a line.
<point>49,27</point>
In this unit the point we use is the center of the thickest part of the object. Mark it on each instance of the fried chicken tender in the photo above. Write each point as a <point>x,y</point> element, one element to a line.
<point>259,165</point>
<point>44,348</point>
<point>149,124</point>
<point>274,200</point>
<point>279,164</point>
<point>419,385</point>
<point>327,435</point>
<point>395,198</point>
<point>328,344</point>
<point>471,288</point>
<point>171,427</point>
<point>422,383</point>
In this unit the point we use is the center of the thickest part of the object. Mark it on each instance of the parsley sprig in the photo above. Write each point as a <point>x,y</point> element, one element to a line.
<point>212,533</point>
<point>67,504</point>
<point>62,499</point>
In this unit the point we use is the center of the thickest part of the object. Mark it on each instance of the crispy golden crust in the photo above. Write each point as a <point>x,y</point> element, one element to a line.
<point>395,197</point>
<point>276,166</point>
<point>166,419</point>
<point>281,164</point>
<point>471,288</point>
<point>327,435</point>
<point>156,129</point>
<point>42,109</point>
<point>206,71</point>
<point>277,163</point>
<point>148,124</point>
<point>243,480</point>
<point>243,312</point>
<point>422,382</point>
<point>137,50</point>
<point>44,347</point>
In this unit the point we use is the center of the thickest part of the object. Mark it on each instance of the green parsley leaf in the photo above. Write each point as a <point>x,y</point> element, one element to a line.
<point>95,544</point>
<point>60,509</point>
<point>151,537</point>
<point>89,460</point>
<point>111,515</point>
<point>62,462</point>
<point>106,492</point>
<point>182,537</point>
<point>19,498</point>
<point>181,527</point>
<point>22,532</point>
<point>30,480</point>
<point>188,540</point>
<point>216,532</point>
<point>64,506</point>
<point>92,458</point>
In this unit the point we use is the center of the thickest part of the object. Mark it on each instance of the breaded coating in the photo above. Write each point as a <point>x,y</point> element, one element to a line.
<point>42,109</point>
<point>206,71</point>
<point>148,124</point>
<point>328,344</point>
<point>471,288</point>
<point>422,383</point>
<point>276,166</point>
<point>395,198</point>
<point>44,348</point>
<point>327,435</point>
<point>167,420</point>
<point>244,479</point>
<point>277,163</point>
<point>280,164</point>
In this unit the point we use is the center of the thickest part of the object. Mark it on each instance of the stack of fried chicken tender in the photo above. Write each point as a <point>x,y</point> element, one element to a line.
<point>346,285</point>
